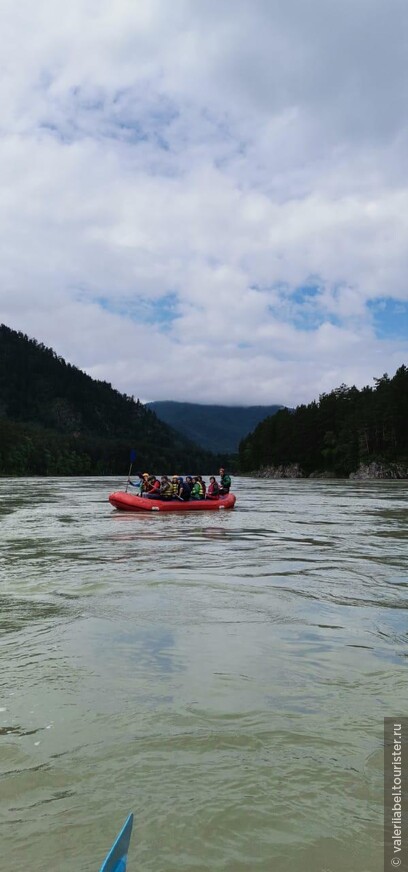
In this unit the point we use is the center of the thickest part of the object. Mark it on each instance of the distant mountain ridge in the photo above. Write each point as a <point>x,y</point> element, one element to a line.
<point>215,428</point>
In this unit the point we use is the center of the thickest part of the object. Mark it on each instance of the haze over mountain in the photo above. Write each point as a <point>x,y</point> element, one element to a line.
<point>216,428</point>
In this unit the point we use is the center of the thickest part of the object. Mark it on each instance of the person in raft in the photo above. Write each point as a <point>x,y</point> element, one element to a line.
<point>145,486</point>
<point>203,485</point>
<point>174,486</point>
<point>184,490</point>
<point>165,488</point>
<point>225,482</point>
<point>153,487</point>
<point>142,484</point>
<point>213,490</point>
<point>197,491</point>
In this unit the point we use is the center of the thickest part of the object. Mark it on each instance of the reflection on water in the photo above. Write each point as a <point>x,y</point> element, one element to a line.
<point>224,680</point>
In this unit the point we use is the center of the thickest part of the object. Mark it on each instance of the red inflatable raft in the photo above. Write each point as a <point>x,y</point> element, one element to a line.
<point>129,503</point>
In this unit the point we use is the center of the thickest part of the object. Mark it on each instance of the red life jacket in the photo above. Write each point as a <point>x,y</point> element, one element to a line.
<point>213,490</point>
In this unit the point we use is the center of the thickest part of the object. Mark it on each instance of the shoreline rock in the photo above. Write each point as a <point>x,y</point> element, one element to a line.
<point>365,472</point>
<point>292,470</point>
<point>390,471</point>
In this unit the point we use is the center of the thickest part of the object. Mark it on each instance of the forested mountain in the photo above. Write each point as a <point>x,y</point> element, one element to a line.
<point>346,428</point>
<point>217,428</point>
<point>56,420</point>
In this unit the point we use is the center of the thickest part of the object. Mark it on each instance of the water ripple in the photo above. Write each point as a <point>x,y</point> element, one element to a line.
<point>217,677</point>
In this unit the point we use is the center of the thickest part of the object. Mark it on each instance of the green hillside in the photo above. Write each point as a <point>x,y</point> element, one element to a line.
<point>56,420</point>
<point>216,428</point>
<point>344,429</point>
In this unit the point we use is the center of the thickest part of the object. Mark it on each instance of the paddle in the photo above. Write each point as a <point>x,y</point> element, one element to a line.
<point>117,857</point>
<point>132,460</point>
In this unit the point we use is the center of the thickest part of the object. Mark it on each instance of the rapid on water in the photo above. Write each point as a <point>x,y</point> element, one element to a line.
<point>223,676</point>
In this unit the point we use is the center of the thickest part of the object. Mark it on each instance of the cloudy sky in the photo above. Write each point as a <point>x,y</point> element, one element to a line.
<point>207,200</point>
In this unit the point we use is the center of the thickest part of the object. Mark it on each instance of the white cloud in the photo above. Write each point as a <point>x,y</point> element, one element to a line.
<point>228,155</point>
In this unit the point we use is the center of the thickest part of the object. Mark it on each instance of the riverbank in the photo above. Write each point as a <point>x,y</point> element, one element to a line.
<point>365,472</point>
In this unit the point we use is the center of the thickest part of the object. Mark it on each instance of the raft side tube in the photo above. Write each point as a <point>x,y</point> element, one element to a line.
<point>129,503</point>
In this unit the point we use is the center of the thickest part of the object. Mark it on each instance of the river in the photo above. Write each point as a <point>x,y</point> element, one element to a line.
<point>225,677</point>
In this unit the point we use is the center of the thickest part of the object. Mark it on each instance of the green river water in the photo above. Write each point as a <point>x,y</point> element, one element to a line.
<point>224,676</point>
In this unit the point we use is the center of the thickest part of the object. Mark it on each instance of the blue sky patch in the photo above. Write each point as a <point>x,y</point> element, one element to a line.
<point>390,318</point>
<point>161,312</point>
<point>305,293</point>
<point>302,307</point>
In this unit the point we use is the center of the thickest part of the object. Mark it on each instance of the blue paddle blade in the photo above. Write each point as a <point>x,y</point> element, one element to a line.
<point>117,857</point>
<point>133,454</point>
